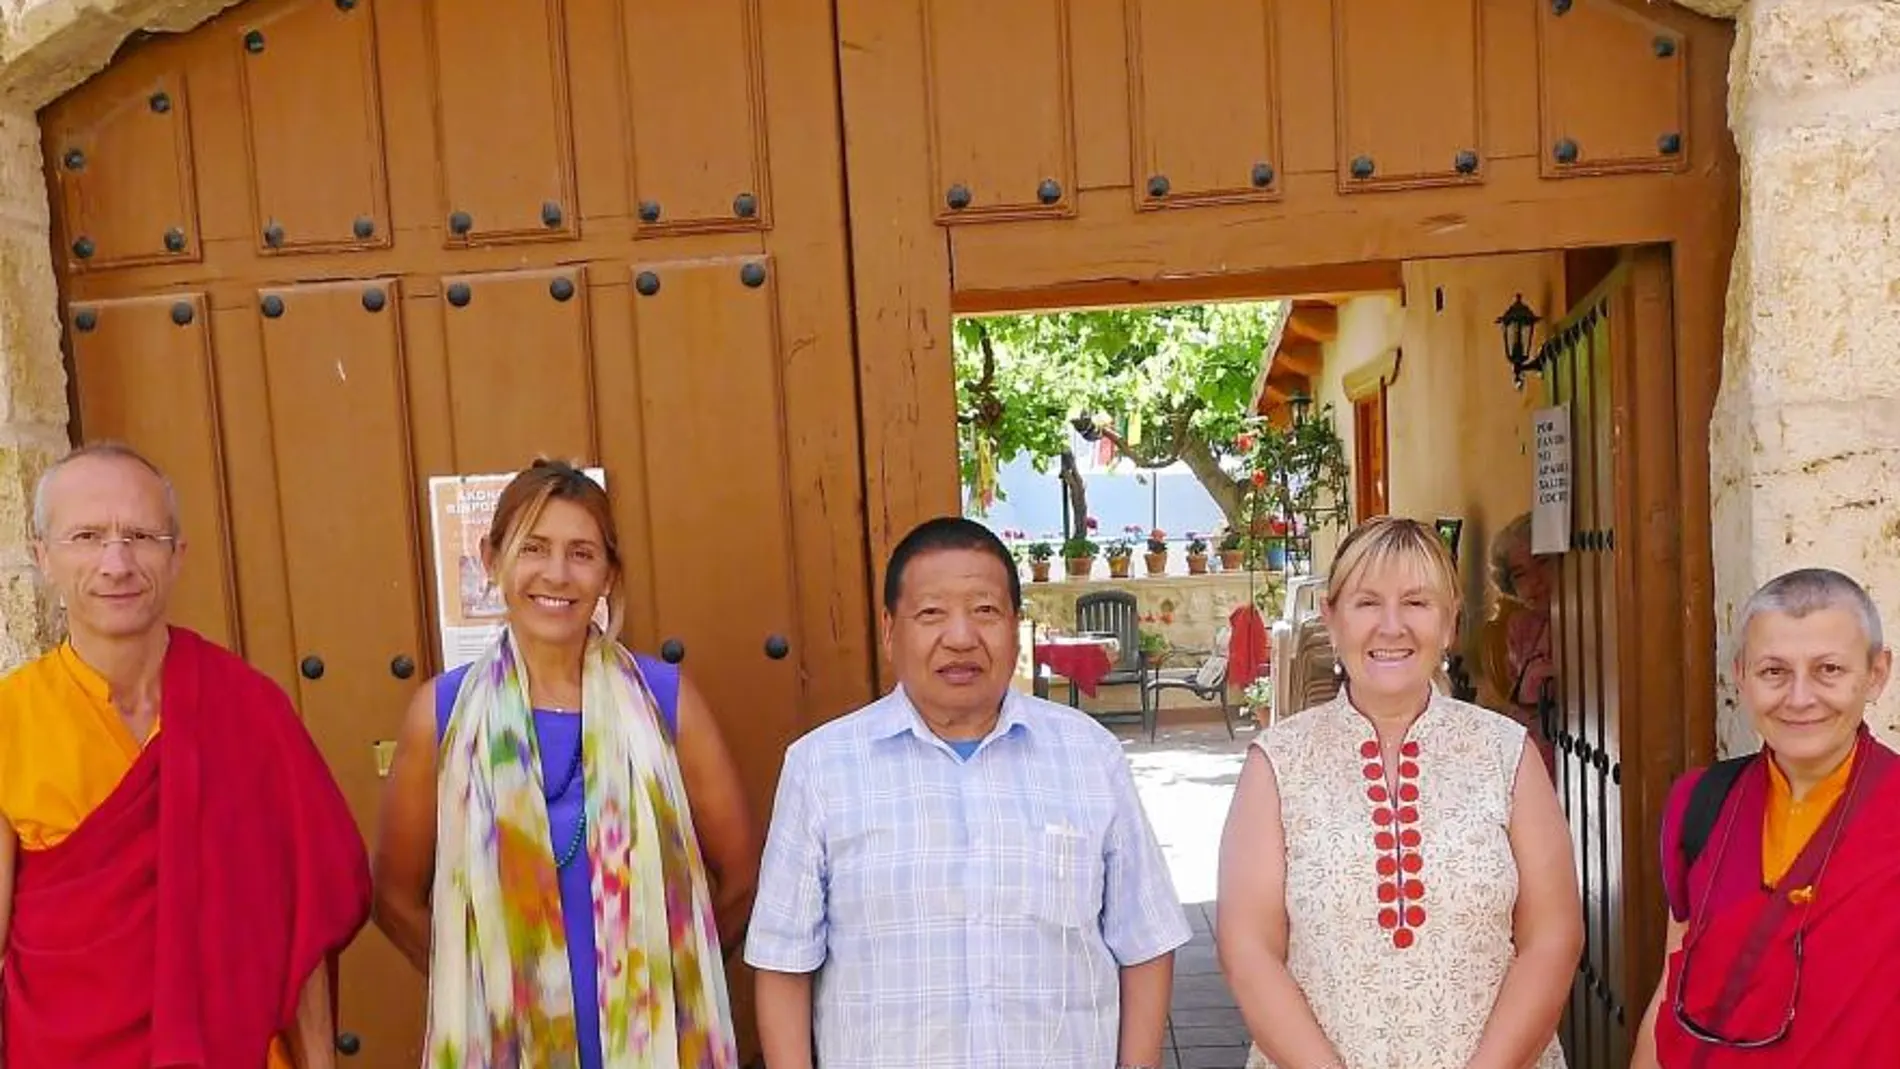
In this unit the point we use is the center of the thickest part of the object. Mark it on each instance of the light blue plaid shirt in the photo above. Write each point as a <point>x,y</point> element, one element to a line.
<point>962,915</point>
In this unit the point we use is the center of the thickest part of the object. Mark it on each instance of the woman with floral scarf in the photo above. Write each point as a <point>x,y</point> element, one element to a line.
<point>540,854</point>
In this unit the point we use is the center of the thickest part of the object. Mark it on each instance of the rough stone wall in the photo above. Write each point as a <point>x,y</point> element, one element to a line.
<point>1806,435</point>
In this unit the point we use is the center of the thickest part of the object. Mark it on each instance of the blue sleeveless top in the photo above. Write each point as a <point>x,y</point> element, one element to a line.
<point>559,737</point>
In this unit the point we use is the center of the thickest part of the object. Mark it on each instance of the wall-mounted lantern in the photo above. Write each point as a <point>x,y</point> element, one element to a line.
<point>1519,325</point>
<point>1300,404</point>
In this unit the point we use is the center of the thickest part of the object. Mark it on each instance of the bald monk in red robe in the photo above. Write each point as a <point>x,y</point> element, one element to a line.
<point>178,869</point>
<point>1783,867</point>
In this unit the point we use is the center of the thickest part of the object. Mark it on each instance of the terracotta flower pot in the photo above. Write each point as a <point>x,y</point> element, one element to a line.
<point>1157,563</point>
<point>1039,571</point>
<point>1197,564</point>
<point>1079,567</point>
<point>1231,560</point>
<point>1118,567</point>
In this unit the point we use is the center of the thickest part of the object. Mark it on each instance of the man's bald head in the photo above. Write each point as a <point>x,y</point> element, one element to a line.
<point>109,451</point>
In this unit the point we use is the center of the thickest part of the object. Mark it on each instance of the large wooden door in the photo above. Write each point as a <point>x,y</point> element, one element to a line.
<point>1615,713</point>
<point>318,252</point>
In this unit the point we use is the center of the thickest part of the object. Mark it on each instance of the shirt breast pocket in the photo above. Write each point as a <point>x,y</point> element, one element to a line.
<point>1053,873</point>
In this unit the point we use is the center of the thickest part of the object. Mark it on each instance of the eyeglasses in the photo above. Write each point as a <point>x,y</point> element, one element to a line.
<point>90,543</point>
<point>1710,1035</point>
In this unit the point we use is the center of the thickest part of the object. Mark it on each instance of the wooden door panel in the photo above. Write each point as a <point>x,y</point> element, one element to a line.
<point>313,122</point>
<point>145,376</point>
<point>1613,994</point>
<point>1206,99</point>
<point>335,386</point>
<point>518,368</point>
<point>697,104</point>
<point>708,348</point>
<point>1407,79</point>
<point>998,93</point>
<point>1612,89</point>
<point>501,94</point>
<point>123,157</point>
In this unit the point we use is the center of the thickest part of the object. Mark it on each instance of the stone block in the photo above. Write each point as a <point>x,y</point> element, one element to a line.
<point>27,621</point>
<point>32,365</point>
<point>1803,47</point>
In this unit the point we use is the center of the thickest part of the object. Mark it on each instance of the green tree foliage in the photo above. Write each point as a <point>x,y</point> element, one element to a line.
<point>1166,384</point>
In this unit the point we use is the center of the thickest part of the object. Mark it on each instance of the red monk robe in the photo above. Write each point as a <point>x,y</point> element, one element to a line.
<point>1743,971</point>
<point>178,923</point>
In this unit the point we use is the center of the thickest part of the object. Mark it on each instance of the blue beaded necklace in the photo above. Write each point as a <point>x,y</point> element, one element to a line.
<point>566,857</point>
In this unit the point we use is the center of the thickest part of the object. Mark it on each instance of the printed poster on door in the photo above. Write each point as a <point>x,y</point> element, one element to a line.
<point>1550,509</point>
<point>469,607</point>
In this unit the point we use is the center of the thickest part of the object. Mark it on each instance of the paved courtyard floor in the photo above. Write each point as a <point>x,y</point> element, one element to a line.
<point>1186,778</point>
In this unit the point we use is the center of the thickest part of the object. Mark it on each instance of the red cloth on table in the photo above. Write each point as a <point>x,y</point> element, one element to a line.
<point>1082,663</point>
<point>178,924</point>
<point>1248,646</point>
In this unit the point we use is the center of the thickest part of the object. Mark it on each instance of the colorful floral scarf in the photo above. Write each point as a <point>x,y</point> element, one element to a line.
<point>499,992</point>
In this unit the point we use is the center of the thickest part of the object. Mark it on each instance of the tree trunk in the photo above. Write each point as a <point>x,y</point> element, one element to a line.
<point>1077,489</point>
<point>1226,490</point>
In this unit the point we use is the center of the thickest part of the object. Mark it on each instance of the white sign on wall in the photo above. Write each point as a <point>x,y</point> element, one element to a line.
<point>1550,511</point>
<point>469,607</point>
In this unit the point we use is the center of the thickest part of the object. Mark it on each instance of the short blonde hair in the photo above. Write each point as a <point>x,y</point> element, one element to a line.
<point>1385,540</point>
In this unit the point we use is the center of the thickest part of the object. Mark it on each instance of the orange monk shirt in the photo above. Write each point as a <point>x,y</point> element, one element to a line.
<point>63,750</point>
<point>1788,825</point>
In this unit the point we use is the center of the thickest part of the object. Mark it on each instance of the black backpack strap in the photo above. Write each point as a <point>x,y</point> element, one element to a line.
<point>1705,804</point>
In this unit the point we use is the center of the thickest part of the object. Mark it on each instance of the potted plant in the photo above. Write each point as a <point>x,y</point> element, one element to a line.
<point>1274,543</point>
<point>1119,552</point>
<point>1040,554</point>
<point>1196,554</point>
<point>1233,550</point>
<point>1157,555</point>
<point>1154,648</point>
<point>1078,556</point>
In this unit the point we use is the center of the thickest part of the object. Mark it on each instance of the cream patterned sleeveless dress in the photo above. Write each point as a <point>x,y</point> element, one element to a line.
<point>1399,908</point>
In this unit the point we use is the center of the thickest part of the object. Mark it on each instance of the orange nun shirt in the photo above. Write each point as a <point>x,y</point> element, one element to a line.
<point>63,750</point>
<point>1787,825</point>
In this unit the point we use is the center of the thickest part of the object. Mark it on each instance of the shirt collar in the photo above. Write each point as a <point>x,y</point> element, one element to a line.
<point>896,715</point>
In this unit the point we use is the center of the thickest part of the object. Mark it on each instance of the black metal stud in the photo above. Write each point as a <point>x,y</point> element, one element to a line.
<point>958,198</point>
<point>85,320</point>
<point>364,228</point>
<point>348,1044</point>
<point>1158,186</point>
<point>776,647</point>
<point>672,651</point>
<point>561,289</point>
<point>273,306</point>
<point>1560,7</point>
<point>374,299</point>
<point>174,240</point>
<point>254,42</point>
<point>1466,162</point>
<point>1665,47</point>
<point>745,206</point>
<point>182,313</point>
<point>647,283</point>
<point>402,666</point>
<point>311,667</point>
<point>1669,144</point>
<point>160,102</point>
<point>460,223</point>
<point>1363,167</point>
<point>1049,192</point>
<point>1262,175</point>
<point>349,5</point>
<point>551,214</point>
<point>753,275</point>
<point>84,248</point>
<point>460,294</point>
<point>649,211</point>
<point>75,160</point>
<point>1565,151</point>
<point>274,234</point>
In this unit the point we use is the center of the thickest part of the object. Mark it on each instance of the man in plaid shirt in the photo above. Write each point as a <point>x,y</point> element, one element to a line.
<point>960,876</point>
